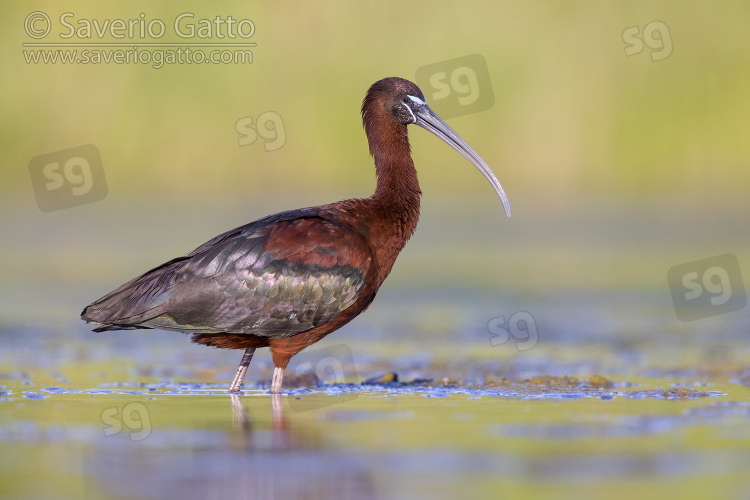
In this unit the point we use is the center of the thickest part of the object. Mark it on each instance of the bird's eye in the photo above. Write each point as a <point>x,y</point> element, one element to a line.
<point>406,100</point>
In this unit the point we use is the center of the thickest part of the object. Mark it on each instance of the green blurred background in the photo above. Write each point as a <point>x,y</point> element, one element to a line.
<point>617,167</point>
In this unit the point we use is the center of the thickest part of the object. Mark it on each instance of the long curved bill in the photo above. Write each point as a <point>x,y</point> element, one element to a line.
<point>427,119</point>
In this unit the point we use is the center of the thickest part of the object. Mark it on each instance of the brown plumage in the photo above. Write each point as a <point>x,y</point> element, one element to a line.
<point>289,279</point>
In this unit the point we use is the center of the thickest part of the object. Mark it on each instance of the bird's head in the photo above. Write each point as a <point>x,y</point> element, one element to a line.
<point>404,104</point>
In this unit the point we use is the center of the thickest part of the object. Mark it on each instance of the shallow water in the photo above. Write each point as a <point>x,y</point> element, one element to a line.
<point>624,404</point>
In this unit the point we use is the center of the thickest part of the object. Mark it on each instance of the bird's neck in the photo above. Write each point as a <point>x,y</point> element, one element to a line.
<point>395,203</point>
<point>397,194</point>
<point>397,187</point>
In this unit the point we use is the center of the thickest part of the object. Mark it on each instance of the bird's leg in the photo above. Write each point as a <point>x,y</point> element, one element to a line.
<point>242,370</point>
<point>278,378</point>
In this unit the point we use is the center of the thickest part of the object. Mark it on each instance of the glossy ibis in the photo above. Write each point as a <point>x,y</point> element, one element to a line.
<point>289,279</point>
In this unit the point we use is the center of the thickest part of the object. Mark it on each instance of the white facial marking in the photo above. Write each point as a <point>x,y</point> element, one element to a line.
<point>413,118</point>
<point>417,100</point>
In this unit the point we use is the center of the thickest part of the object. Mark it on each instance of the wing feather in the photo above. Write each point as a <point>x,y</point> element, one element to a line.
<point>273,278</point>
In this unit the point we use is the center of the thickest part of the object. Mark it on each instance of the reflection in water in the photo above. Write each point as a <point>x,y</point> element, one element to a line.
<point>262,455</point>
<point>280,429</point>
